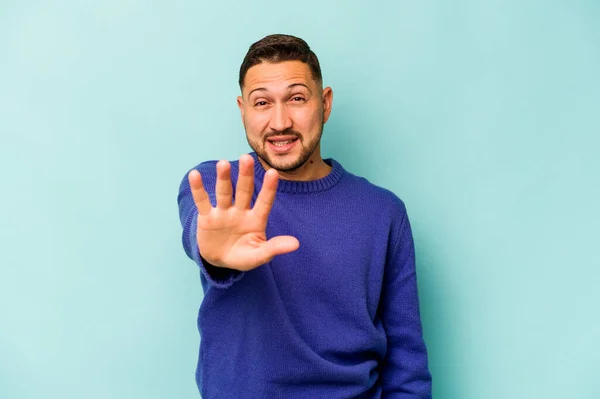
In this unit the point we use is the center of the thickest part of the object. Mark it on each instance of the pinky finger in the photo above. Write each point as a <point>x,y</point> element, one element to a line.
<point>198,193</point>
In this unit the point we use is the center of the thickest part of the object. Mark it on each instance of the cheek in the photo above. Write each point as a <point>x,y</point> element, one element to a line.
<point>256,122</point>
<point>307,120</point>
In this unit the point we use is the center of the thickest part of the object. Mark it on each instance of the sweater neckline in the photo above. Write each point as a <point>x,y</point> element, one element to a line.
<point>301,187</point>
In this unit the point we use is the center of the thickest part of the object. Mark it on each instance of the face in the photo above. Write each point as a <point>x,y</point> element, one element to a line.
<point>283,110</point>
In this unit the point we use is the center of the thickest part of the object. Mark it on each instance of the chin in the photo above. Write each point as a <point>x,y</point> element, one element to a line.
<point>285,163</point>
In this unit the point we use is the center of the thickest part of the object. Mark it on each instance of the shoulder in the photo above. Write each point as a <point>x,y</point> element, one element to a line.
<point>387,209</point>
<point>208,169</point>
<point>377,196</point>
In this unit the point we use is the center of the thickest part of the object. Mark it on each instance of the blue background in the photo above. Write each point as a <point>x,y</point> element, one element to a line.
<point>483,116</point>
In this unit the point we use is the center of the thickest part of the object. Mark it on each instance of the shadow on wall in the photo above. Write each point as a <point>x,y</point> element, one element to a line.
<point>348,141</point>
<point>441,326</point>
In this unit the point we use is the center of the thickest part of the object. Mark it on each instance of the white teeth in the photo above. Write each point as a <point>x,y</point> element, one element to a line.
<point>281,143</point>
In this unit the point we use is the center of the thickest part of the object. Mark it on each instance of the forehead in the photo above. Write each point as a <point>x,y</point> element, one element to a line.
<point>268,75</point>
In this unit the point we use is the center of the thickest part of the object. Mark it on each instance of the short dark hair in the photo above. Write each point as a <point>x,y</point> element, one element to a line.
<point>279,48</point>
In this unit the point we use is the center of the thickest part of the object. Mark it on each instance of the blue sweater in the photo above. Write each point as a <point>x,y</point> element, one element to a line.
<point>338,318</point>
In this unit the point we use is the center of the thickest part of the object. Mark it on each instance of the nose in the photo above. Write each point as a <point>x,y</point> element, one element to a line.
<point>280,118</point>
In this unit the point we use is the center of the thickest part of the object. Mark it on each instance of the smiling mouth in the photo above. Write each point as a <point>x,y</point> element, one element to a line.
<point>282,144</point>
<point>280,141</point>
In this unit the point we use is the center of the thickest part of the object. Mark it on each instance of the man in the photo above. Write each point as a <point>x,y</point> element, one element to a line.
<point>308,271</point>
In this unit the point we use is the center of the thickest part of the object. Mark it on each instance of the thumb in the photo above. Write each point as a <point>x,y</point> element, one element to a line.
<point>282,245</point>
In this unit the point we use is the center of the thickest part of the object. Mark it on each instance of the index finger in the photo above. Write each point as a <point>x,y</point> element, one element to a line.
<point>266,197</point>
<point>198,193</point>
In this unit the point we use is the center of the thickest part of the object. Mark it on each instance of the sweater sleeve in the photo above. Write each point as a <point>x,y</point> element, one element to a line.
<point>405,372</point>
<point>188,216</point>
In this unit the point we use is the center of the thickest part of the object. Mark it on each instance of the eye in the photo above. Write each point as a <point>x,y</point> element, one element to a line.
<point>297,99</point>
<point>260,103</point>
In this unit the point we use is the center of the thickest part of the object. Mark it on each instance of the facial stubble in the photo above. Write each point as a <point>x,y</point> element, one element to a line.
<point>307,148</point>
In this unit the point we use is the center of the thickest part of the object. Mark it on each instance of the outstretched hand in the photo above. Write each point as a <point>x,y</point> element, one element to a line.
<point>233,235</point>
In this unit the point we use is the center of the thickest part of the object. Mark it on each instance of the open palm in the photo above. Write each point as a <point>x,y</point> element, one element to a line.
<point>233,235</point>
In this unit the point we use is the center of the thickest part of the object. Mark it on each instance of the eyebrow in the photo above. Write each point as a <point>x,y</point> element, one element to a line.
<point>289,87</point>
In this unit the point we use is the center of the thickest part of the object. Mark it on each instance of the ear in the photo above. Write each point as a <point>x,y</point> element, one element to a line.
<point>327,102</point>
<point>240,103</point>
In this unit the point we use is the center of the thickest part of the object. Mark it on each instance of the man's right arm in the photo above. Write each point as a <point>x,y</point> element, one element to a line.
<point>188,216</point>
